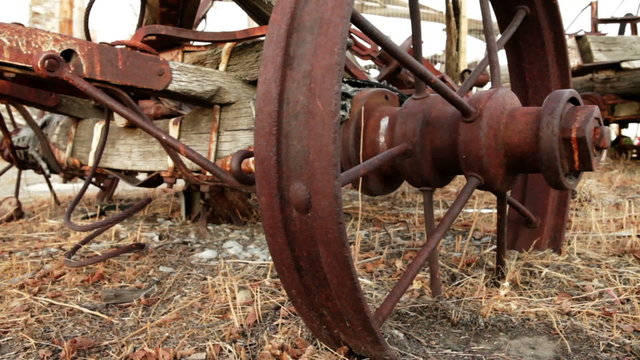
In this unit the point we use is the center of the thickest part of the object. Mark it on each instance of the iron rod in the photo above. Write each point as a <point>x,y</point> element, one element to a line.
<point>51,190</point>
<point>502,41</point>
<point>501,228</point>
<point>412,65</point>
<point>492,45</point>
<point>370,165</point>
<point>5,169</point>
<point>532,221</point>
<point>416,40</point>
<point>16,190</point>
<point>435,283</point>
<point>390,302</point>
<point>42,138</point>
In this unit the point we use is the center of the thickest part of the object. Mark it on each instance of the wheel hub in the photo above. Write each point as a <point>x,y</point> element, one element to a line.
<point>561,139</point>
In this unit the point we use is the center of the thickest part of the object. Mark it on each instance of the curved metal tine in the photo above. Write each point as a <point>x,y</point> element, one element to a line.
<point>11,117</point>
<point>7,138</point>
<point>532,221</point>
<point>413,65</point>
<point>492,45</point>
<point>5,169</point>
<point>16,190</point>
<point>501,228</point>
<point>504,38</point>
<point>362,169</point>
<point>390,302</point>
<point>416,39</point>
<point>435,283</point>
<point>111,221</point>
<point>42,138</point>
<point>51,190</point>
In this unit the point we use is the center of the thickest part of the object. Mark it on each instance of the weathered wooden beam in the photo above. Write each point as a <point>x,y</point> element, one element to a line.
<point>133,149</point>
<point>205,86</point>
<point>610,81</point>
<point>594,49</point>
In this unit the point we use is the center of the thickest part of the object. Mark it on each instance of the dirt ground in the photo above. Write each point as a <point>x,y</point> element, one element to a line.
<point>217,296</point>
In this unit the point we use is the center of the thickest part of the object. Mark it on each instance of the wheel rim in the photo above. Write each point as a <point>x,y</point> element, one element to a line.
<point>298,154</point>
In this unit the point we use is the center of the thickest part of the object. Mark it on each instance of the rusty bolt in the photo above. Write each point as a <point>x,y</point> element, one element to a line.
<point>160,72</point>
<point>51,64</point>
<point>579,139</point>
<point>602,138</point>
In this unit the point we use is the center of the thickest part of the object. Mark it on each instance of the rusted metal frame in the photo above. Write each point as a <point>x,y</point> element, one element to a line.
<point>416,38</point>
<point>413,65</point>
<point>501,234</point>
<point>52,65</point>
<point>86,59</point>
<point>180,34</point>
<point>532,221</point>
<point>42,138</point>
<point>435,283</point>
<point>416,265</point>
<point>504,38</point>
<point>367,166</point>
<point>492,46</point>
<point>28,95</point>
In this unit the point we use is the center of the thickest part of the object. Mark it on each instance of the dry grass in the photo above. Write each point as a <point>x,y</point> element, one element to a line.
<point>582,304</point>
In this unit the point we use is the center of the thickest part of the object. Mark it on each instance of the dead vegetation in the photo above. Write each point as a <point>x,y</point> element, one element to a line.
<point>165,303</point>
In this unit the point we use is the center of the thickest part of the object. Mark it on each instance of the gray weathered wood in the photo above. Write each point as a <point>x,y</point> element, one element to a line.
<point>244,62</point>
<point>596,49</point>
<point>133,149</point>
<point>206,86</point>
<point>609,81</point>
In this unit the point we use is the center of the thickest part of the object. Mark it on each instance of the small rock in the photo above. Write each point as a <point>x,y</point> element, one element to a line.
<point>233,248</point>
<point>197,356</point>
<point>244,296</point>
<point>166,269</point>
<point>208,254</point>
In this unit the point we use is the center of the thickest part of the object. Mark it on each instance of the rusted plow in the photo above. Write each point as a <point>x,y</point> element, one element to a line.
<point>321,123</point>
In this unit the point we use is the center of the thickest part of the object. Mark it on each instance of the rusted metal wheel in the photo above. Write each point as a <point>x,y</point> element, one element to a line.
<point>304,155</point>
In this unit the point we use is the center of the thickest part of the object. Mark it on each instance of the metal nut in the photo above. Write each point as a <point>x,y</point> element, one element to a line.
<point>579,137</point>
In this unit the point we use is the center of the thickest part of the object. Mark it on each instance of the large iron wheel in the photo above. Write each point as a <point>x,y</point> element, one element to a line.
<point>300,142</point>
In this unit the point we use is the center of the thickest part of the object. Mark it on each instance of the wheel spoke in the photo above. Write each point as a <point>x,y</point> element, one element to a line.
<point>390,302</point>
<point>435,283</point>
<point>504,38</point>
<point>416,38</point>
<point>532,221</point>
<point>501,228</point>
<point>370,165</point>
<point>492,45</point>
<point>413,65</point>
